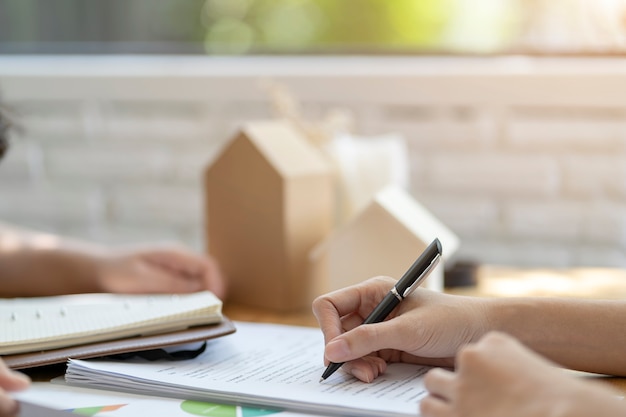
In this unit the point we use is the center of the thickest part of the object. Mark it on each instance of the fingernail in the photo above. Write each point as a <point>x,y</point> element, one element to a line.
<point>362,375</point>
<point>337,350</point>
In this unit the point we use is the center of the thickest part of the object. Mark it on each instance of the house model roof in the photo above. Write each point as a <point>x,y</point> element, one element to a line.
<point>417,219</point>
<point>385,238</point>
<point>288,156</point>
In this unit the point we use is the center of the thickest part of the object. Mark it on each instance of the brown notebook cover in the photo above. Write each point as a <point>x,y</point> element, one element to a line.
<point>113,347</point>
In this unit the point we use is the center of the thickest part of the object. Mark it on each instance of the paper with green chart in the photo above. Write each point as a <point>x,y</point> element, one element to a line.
<point>262,365</point>
<point>102,403</point>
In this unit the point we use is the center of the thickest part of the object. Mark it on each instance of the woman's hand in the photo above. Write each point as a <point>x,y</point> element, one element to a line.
<point>499,377</point>
<point>158,270</point>
<point>426,328</point>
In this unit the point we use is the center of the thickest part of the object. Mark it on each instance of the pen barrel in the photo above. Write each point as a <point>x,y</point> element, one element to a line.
<point>420,269</point>
<point>383,309</point>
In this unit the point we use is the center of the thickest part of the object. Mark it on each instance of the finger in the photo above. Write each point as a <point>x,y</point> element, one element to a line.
<point>11,380</point>
<point>432,406</point>
<point>8,406</point>
<point>367,368</point>
<point>365,339</point>
<point>162,280</point>
<point>191,266</point>
<point>213,279</point>
<point>176,259</point>
<point>328,311</point>
<point>329,308</point>
<point>440,382</point>
<point>350,321</point>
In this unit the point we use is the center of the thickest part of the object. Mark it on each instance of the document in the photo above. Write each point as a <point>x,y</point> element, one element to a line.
<point>27,409</point>
<point>262,365</point>
<point>45,398</point>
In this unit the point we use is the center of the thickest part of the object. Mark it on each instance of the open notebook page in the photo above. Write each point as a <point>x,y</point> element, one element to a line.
<point>40,323</point>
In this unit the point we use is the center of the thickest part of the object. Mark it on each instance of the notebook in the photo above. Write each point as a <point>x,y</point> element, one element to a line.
<point>46,324</point>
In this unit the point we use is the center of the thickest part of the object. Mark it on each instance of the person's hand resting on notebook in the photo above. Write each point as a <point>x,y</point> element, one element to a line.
<point>174,270</point>
<point>438,329</point>
<point>10,381</point>
<point>68,269</point>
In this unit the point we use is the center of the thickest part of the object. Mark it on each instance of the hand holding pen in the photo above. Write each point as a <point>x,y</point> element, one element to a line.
<point>402,289</point>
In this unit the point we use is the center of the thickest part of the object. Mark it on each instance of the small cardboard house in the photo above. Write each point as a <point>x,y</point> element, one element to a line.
<point>269,201</point>
<point>385,238</point>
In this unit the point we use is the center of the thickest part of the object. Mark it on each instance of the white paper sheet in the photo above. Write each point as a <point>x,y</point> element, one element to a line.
<point>90,402</point>
<point>263,365</point>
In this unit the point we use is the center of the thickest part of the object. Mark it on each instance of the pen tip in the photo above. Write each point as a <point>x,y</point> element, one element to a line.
<point>321,380</point>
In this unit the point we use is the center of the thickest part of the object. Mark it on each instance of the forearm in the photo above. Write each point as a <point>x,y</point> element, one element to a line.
<point>38,264</point>
<point>41,272</point>
<point>578,334</point>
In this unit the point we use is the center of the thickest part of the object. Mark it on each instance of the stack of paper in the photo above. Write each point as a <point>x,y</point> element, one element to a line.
<point>263,365</point>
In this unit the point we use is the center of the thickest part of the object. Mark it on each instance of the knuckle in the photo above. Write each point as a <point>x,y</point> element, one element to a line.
<point>381,279</point>
<point>427,406</point>
<point>469,355</point>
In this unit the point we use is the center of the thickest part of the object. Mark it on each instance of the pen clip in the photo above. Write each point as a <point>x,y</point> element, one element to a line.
<point>424,274</point>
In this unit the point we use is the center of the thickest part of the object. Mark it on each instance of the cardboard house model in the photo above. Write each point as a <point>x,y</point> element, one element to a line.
<point>269,201</point>
<point>385,238</point>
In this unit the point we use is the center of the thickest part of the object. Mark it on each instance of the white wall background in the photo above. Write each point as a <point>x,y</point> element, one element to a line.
<point>524,158</point>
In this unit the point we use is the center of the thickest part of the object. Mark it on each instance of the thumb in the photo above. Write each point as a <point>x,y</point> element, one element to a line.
<point>363,340</point>
<point>11,380</point>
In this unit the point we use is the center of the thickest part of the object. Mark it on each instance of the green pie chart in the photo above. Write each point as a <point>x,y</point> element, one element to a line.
<point>200,408</point>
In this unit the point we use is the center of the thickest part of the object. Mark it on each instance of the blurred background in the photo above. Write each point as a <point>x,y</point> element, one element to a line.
<point>513,111</point>
<point>312,26</point>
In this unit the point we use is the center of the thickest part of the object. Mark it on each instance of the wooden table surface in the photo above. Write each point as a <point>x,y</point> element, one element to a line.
<point>493,281</point>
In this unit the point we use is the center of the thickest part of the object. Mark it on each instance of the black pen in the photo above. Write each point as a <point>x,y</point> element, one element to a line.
<point>411,279</point>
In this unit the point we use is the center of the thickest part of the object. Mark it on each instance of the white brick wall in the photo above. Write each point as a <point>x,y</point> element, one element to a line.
<point>525,159</point>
